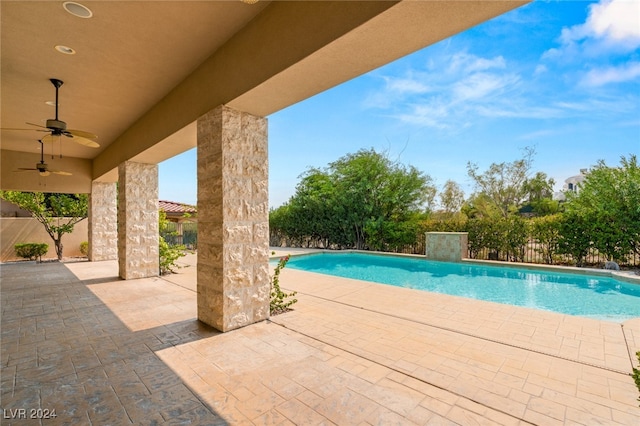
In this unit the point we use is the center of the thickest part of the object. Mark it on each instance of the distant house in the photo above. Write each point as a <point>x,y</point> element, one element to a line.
<point>571,184</point>
<point>179,213</point>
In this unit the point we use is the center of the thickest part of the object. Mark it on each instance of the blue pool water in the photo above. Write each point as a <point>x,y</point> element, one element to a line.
<point>574,294</point>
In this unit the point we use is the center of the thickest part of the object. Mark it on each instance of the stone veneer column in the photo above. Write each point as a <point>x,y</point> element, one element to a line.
<point>138,220</point>
<point>103,221</point>
<point>233,219</point>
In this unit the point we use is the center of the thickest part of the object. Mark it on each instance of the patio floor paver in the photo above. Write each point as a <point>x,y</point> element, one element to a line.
<point>99,350</point>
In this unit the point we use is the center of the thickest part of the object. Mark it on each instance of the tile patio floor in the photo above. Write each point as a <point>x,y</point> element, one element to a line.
<point>103,351</point>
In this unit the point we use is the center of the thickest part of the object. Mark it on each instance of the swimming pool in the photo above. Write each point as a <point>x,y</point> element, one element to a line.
<point>574,294</point>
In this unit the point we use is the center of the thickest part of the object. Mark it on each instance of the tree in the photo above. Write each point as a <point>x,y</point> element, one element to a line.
<point>451,197</point>
<point>539,193</point>
<point>362,200</point>
<point>58,213</point>
<point>480,206</point>
<point>609,200</point>
<point>503,183</point>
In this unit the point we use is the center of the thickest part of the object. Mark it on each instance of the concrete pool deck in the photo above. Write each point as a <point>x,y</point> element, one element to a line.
<point>101,350</point>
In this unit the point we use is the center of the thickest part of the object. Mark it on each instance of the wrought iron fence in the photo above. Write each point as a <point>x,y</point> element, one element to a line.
<point>533,252</point>
<point>189,235</point>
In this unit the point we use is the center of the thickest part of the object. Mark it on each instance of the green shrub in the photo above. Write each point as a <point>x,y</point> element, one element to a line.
<point>31,251</point>
<point>84,248</point>
<point>168,253</point>
<point>168,256</point>
<point>278,304</point>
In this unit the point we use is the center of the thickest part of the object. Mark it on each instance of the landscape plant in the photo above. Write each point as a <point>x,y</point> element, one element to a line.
<point>363,201</point>
<point>609,200</point>
<point>504,183</point>
<point>58,213</point>
<point>354,203</point>
<point>278,300</point>
<point>546,230</point>
<point>84,248</point>
<point>169,253</point>
<point>636,373</point>
<point>31,251</point>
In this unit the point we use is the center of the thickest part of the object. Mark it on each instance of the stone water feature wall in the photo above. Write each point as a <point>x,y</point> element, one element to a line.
<point>447,246</point>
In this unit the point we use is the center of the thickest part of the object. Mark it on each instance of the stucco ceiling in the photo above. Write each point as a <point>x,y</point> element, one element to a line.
<point>130,54</point>
<point>143,71</point>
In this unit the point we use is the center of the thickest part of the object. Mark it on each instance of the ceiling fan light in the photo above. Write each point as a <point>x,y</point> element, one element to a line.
<point>77,9</point>
<point>65,49</point>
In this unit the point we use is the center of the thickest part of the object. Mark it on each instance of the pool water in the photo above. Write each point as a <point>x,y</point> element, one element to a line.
<point>574,294</point>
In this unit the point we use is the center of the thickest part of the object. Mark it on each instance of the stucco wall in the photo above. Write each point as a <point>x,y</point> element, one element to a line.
<point>16,230</point>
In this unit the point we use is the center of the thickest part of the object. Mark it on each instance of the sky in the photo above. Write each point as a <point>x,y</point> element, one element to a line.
<point>562,78</point>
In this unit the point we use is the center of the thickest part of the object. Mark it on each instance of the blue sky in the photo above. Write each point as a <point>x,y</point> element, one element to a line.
<point>561,77</point>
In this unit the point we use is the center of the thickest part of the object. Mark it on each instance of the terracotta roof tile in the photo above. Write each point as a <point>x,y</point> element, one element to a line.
<point>173,207</point>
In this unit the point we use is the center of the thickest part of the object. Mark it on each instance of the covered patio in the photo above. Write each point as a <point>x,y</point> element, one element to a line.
<point>99,350</point>
<point>144,81</point>
<point>110,342</point>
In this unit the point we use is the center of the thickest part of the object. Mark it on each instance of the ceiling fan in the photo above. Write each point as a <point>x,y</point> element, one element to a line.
<point>43,167</point>
<point>57,127</point>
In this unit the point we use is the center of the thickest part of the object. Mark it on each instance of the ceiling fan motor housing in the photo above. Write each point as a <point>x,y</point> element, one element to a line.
<point>56,125</point>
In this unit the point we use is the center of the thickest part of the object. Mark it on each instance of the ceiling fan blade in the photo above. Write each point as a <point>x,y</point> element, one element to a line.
<point>61,173</point>
<point>85,142</point>
<point>82,134</point>
<point>23,169</point>
<point>37,125</point>
<point>31,130</point>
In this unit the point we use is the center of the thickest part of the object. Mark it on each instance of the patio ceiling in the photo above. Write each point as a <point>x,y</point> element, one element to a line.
<point>144,71</point>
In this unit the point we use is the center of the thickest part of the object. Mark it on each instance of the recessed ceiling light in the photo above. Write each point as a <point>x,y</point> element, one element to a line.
<point>77,9</point>
<point>65,49</point>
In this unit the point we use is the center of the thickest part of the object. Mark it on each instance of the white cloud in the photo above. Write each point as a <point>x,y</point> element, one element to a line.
<point>612,22</point>
<point>518,108</point>
<point>602,76</point>
<point>406,86</point>
<point>449,91</point>
<point>397,89</point>
<point>481,85</point>
<point>545,133</point>
<point>616,20</point>
<point>466,63</point>
<point>540,69</point>
<point>610,35</point>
